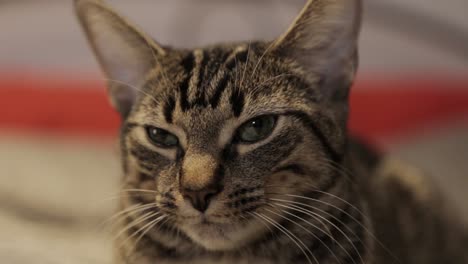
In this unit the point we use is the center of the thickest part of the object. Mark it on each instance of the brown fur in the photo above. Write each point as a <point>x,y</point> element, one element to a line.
<point>303,194</point>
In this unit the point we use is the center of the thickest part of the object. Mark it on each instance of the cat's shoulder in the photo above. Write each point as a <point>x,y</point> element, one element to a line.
<point>391,174</point>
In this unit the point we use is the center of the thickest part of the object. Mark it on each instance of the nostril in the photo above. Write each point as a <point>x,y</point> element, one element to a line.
<point>209,196</point>
<point>200,199</point>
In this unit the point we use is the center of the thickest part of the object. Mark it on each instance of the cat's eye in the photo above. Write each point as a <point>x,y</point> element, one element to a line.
<point>256,129</point>
<point>161,137</point>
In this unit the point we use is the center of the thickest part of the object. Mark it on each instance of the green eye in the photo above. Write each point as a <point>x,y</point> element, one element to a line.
<point>256,129</point>
<point>161,137</point>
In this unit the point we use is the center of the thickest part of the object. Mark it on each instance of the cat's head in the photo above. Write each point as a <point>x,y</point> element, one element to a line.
<point>216,134</point>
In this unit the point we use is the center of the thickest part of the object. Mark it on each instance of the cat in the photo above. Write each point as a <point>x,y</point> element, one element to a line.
<point>239,152</point>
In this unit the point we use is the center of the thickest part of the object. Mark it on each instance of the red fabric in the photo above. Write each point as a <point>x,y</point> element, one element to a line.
<point>379,108</point>
<point>388,108</point>
<point>56,105</point>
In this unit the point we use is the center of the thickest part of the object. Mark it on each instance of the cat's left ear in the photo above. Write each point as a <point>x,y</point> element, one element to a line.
<point>125,53</point>
<point>323,39</point>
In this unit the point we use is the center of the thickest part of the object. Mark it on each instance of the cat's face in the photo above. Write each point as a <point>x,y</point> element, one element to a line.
<point>215,136</point>
<point>216,140</point>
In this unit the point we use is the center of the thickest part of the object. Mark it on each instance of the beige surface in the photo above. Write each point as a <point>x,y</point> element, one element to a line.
<point>67,177</point>
<point>25,242</point>
<point>54,195</point>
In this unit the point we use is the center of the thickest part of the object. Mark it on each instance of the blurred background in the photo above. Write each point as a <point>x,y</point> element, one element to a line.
<point>58,154</point>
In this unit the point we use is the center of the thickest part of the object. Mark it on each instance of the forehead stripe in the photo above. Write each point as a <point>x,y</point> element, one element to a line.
<point>239,56</point>
<point>201,66</point>
<point>237,102</point>
<point>210,67</point>
<point>188,64</point>
<point>169,109</point>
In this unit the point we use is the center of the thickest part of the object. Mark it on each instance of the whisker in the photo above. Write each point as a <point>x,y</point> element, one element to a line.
<point>306,230</point>
<point>310,213</point>
<point>326,203</point>
<point>114,197</point>
<point>163,69</point>
<point>249,251</point>
<point>128,193</point>
<point>133,87</point>
<point>263,223</point>
<point>246,64</point>
<point>318,200</point>
<point>328,234</point>
<point>133,209</point>
<point>261,58</point>
<point>237,80</point>
<point>144,229</point>
<point>136,222</point>
<point>317,209</point>
<point>339,168</point>
<point>141,190</point>
<point>369,232</point>
<point>288,233</point>
<point>373,236</point>
<point>317,219</point>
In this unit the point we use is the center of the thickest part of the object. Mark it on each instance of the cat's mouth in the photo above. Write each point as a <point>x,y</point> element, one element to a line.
<point>209,230</point>
<point>212,226</point>
<point>216,235</point>
<point>210,235</point>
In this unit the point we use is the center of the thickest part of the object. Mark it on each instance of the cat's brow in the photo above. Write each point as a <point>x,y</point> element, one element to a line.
<point>200,68</point>
<point>327,145</point>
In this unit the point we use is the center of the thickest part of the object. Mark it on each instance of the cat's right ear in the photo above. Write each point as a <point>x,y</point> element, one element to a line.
<point>126,55</point>
<point>323,40</point>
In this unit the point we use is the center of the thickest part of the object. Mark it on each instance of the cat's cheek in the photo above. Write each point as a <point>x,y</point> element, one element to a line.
<point>148,185</point>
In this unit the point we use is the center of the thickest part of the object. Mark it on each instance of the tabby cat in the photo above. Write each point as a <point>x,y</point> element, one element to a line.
<point>239,153</point>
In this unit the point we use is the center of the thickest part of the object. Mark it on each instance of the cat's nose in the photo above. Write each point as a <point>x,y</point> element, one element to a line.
<point>200,199</point>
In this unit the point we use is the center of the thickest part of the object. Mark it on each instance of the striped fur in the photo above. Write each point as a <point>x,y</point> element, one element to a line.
<point>305,194</point>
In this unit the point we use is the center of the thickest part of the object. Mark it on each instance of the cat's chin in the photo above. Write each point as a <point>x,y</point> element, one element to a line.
<point>222,237</point>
